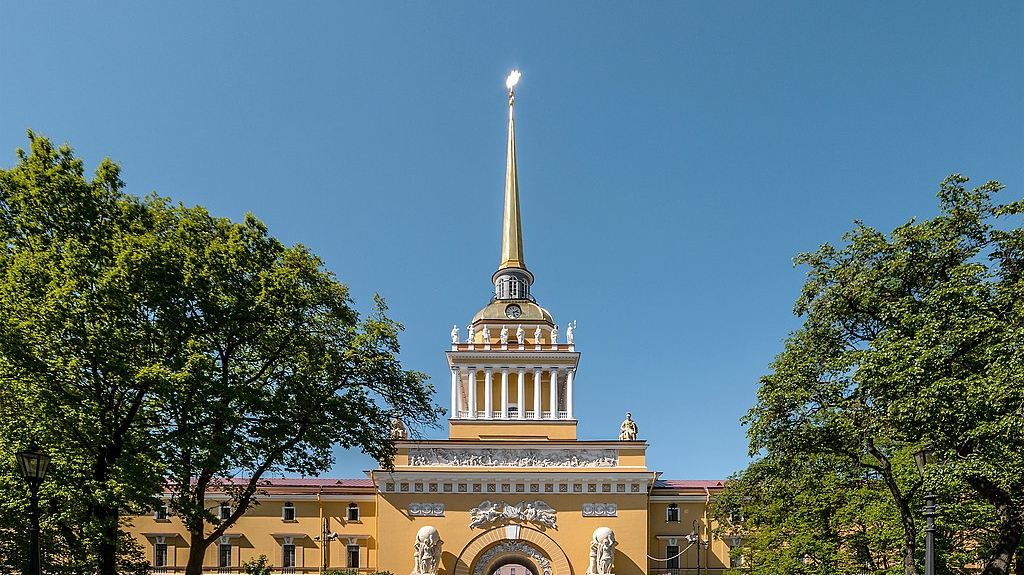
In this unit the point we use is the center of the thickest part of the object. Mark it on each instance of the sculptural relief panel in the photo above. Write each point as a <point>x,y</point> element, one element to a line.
<point>441,457</point>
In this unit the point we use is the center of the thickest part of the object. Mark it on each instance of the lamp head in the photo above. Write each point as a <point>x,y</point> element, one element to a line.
<point>33,464</point>
<point>924,457</point>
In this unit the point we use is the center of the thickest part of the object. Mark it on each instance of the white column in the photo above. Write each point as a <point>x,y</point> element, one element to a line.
<point>521,399</point>
<point>553,393</point>
<point>488,397</point>
<point>568,391</point>
<point>459,398</point>
<point>455,393</point>
<point>536,393</point>
<point>472,393</point>
<point>504,393</point>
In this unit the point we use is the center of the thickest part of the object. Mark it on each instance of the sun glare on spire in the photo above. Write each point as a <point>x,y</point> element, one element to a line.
<point>513,79</point>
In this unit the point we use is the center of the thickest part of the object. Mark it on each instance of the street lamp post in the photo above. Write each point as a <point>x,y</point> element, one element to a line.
<point>923,458</point>
<point>694,537</point>
<point>33,463</point>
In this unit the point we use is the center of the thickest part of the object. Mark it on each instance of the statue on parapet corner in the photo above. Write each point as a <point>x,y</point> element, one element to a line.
<point>602,552</point>
<point>570,329</point>
<point>398,428</point>
<point>504,335</point>
<point>628,429</point>
<point>455,334</point>
<point>554,335</point>
<point>427,556</point>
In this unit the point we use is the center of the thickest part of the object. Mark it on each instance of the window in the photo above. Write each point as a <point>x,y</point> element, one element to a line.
<point>224,556</point>
<point>672,513</point>
<point>288,556</point>
<point>225,511</point>
<point>353,556</point>
<point>161,513</point>
<point>288,512</point>
<point>512,571</point>
<point>160,555</point>
<point>672,552</point>
<point>353,512</point>
<point>736,516</point>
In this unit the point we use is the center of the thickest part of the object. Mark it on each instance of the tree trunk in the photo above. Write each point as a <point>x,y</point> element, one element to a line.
<point>1011,530</point>
<point>906,514</point>
<point>196,554</point>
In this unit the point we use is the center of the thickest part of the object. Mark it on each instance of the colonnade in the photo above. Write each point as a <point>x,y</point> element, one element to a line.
<point>467,405</point>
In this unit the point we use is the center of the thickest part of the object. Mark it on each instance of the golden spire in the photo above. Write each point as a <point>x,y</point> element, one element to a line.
<point>511,228</point>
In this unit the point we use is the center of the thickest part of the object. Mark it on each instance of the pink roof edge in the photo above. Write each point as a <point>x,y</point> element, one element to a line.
<point>689,483</point>
<point>367,484</point>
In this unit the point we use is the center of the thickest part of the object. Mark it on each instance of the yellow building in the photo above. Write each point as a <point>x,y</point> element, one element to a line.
<point>511,488</point>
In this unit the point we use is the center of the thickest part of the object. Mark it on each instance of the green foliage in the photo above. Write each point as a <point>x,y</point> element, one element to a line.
<point>142,341</point>
<point>258,566</point>
<point>354,572</point>
<point>909,337</point>
<point>78,361</point>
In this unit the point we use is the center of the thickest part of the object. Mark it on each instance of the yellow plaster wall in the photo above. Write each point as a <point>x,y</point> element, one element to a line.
<point>259,524</point>
<point>573,534</point>
<point>480,429</point>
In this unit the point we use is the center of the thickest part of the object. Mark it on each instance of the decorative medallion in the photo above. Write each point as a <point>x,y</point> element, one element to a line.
<point>600,510</point>
<point>426,509</point>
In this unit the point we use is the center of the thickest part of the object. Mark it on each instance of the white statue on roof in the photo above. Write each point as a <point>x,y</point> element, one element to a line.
<point>455,334</point>
<point>628,429</point>
<point>504,335</point>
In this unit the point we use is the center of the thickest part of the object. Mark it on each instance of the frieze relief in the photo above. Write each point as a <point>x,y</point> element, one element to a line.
<point>490,512</point>
<point>440,457</point>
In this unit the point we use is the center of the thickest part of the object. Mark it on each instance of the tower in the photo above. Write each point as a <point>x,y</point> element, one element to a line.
<point>511,378</point>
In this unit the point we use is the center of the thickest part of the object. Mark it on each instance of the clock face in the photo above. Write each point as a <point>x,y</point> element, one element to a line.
<point>513,311</point>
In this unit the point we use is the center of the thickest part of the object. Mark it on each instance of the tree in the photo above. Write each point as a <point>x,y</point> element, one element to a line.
<point>278,370</point>
<point>149,346</point>
<point>908,338</point>
<point>81,348</point>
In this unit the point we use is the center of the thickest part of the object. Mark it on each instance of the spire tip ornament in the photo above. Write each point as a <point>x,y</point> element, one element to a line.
<point>512,80</point>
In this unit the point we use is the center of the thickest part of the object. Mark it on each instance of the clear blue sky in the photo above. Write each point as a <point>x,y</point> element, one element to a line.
<point>673,156</point>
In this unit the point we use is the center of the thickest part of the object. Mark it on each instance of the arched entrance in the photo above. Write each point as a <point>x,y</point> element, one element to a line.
<point>512,565</point>
<point>488,552</point>
<point>494,558</point>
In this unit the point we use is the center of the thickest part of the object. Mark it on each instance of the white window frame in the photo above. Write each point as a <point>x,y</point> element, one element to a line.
<point>668,513</point>
<point>348,513</point>
<point>220,511</point>
<point>220,555</point>
<point>284,512</point>
<point>284,554</point>
<point>162,513</point>
<point>156,553</point>
<point>348,555</point>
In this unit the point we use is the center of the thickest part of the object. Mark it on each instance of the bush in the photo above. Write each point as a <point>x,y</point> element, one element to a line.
<point>257,566</point>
